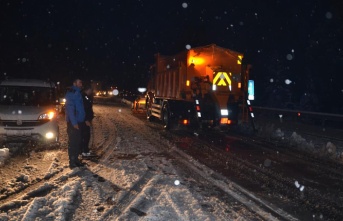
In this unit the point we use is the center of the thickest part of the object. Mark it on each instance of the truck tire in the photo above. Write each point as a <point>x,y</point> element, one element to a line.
<point>149,116</point>
<point>166,117</point>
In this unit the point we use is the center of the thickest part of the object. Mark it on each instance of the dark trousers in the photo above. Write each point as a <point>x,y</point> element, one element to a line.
<point>74,136</point>
<point>85,137</point>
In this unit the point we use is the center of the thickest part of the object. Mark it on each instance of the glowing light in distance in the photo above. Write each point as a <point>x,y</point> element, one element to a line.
<point>115,92</point>
<point>142,89</point>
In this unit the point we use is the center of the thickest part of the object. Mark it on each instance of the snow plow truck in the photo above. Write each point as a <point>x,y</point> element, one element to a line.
<point>200,87</point>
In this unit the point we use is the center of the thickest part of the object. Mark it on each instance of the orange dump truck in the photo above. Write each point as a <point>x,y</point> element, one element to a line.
<point>200,87</point>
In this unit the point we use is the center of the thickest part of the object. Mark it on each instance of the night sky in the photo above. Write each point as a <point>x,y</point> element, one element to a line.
<point>115,41</point>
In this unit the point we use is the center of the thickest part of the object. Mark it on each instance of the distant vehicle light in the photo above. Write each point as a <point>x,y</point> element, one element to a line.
<point>225,120</point>
<point>142,101</point>
<point>142,89</point>
<point>115,92</point>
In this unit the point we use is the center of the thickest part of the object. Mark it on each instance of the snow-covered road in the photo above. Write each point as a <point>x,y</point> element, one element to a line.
<point>140,174</point>
<point>137,176</point>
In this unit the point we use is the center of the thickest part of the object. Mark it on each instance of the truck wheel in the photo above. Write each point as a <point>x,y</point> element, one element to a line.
<point>166,117</point>
<point>149,116</point>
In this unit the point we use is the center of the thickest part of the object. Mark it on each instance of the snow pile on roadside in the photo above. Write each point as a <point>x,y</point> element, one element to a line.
<point>312,145</point>
<point>4,155</point>
<point>301,142</point>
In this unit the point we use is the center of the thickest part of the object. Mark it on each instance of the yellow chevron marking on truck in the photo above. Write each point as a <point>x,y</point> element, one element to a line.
<point>221,79</point>
<point>239,60</point>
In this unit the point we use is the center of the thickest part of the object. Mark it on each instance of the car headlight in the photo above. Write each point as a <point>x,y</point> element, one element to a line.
<point>49,135</point>
<point>47,116</point>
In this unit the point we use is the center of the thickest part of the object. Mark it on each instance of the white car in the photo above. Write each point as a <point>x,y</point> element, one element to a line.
<point>28,111</point>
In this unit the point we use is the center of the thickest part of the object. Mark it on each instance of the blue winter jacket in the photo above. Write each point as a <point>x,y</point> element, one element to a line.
<point>75,112</point>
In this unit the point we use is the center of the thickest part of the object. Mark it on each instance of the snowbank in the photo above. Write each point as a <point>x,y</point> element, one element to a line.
<point>4,155</point>
<point>315,143</point>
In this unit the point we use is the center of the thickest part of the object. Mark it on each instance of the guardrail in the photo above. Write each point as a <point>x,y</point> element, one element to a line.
<point>318,118</point>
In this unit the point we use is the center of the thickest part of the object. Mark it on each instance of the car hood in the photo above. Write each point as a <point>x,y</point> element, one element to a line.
<point>17,112</point>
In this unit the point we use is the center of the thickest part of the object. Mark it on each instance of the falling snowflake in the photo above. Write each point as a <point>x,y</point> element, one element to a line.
<point>287,81</point>
<point>328,15</point>
<point>188,47</point>
<point>289,57</point>
<point>184,5</point>
<point>297,185</point>
<point>302,188</point>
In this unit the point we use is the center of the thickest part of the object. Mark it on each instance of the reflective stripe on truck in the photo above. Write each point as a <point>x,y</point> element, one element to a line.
<point>156,110</point>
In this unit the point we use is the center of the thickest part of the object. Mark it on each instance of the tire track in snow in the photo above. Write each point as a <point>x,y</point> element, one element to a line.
<point>129,197</point>
<point>58,205</point>
<point>110,140</point>
<point>164,147</point>
<point>253,203</point>
<point>133,198</point>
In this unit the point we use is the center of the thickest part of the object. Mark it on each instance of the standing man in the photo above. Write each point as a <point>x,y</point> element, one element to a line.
<point>86,127</point>
<point>75,116</point>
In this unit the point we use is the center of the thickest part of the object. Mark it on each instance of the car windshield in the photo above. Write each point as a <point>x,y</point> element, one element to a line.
<point>26,96</point>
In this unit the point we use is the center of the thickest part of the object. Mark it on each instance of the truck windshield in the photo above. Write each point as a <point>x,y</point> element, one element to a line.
<point>27,96</point>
